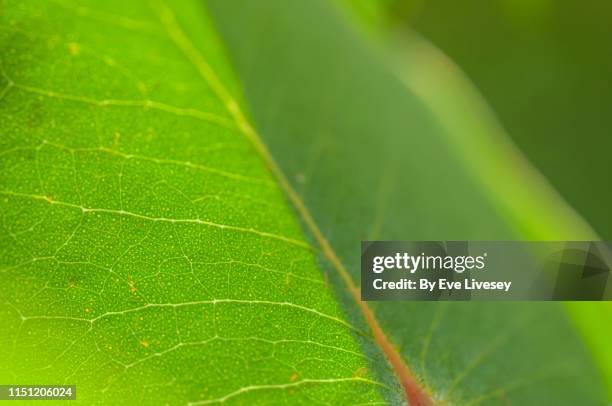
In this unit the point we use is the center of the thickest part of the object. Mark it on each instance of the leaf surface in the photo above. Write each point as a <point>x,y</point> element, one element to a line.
<point>147,254</point>
<point>372,159</point>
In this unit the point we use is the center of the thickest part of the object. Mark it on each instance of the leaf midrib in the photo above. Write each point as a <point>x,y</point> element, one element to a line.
<point>414,392</point>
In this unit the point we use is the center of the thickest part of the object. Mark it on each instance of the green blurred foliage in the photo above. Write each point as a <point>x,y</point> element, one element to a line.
<point>545,68</point>
<point>373,160</point>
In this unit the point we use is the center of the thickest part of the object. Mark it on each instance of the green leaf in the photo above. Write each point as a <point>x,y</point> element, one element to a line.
<point>538,40</point>
<point>147,254</point>
<point>374,158</point>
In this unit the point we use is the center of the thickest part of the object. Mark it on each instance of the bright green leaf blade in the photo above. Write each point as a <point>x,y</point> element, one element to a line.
<point>372,160</point>
<point>595,323</point>
<point>147,255</point>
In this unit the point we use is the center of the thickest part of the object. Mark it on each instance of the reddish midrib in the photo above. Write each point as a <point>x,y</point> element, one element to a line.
<point>415,393</point>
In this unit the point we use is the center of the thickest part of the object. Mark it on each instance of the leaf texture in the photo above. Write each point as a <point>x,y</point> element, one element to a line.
<point>147,254</point>
<point>372,159</point>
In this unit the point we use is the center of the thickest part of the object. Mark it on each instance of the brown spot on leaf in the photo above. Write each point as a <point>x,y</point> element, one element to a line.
<point>361,372</point>
<point>74,48</point>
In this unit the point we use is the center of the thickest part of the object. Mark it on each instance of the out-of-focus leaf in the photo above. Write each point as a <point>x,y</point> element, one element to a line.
<point>544,67</point>
<point>371,159</point>
<point>526,38</point>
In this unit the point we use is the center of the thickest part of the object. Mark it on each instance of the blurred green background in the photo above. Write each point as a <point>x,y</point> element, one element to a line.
<point>545,69</point>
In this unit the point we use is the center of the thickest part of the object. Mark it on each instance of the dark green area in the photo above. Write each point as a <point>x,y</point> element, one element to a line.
<point>371,162</point>
<point>545,67</point>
